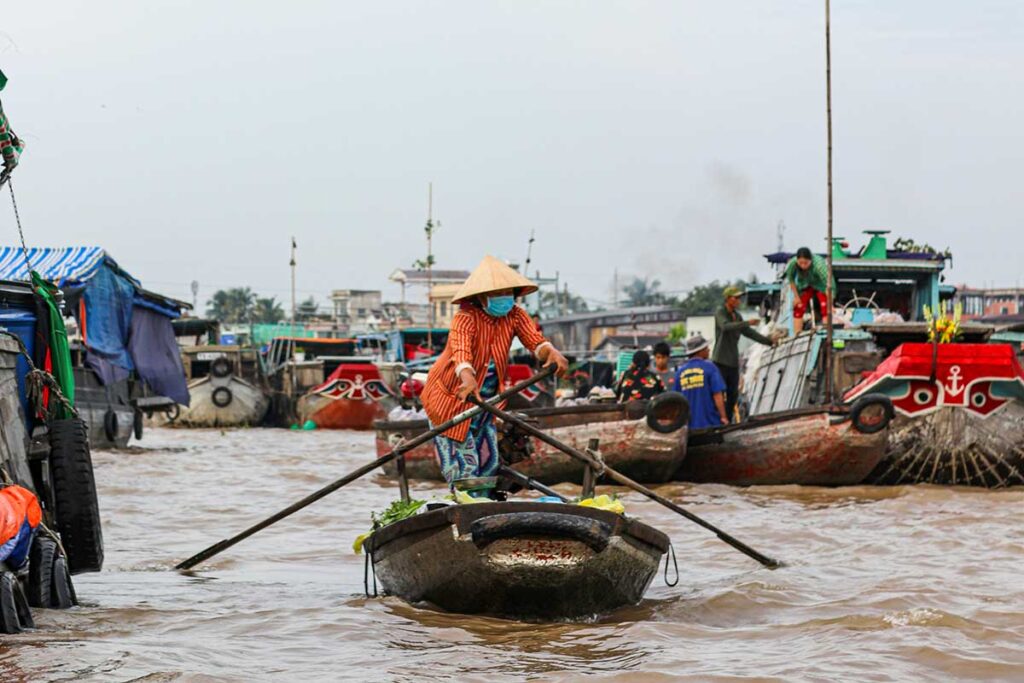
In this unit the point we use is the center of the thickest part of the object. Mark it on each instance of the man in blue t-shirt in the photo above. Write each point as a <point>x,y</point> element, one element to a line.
<point>701,382</point>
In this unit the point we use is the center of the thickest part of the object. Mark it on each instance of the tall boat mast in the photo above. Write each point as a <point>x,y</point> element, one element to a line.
<point>829,294</point>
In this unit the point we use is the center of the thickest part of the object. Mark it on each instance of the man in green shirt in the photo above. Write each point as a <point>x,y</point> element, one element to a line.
<point>729,325</point>
<point>807,275</point>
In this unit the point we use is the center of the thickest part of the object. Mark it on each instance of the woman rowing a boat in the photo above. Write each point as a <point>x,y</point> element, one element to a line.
<point>475,361</point>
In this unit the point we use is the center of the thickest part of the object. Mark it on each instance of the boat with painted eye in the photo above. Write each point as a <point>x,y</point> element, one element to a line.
<point>352,397</point>
<point>543,561</point>
<point>644,440</point>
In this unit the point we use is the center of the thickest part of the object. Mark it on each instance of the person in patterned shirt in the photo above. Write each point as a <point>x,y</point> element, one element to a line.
<point>638,382</point>
<point>475,362</point>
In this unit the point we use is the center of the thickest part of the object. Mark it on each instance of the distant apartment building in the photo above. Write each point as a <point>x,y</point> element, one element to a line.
<point>441,302</point>
<point>358,310</point>
<point>989,302</point>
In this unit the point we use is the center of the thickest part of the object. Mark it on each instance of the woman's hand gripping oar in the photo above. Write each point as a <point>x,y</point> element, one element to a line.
<point>216,548</point>
<point>626,481</point>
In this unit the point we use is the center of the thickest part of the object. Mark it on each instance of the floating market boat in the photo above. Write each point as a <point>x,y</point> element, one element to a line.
<point>226,385</point>
<point>944,432</point>
<point>811,447</point>
<point>518,559</point>
<point>353,397</point>
<point>125,355</point>
<point>960,414</point>
<point>625,437</point>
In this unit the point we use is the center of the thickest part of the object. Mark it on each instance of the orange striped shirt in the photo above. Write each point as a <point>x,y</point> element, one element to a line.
<point>476,339</point>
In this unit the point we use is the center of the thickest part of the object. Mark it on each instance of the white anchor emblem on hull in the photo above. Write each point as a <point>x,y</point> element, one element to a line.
<point>953,382</point>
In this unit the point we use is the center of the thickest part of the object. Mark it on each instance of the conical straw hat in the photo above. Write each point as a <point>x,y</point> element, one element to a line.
<point>491,276</point>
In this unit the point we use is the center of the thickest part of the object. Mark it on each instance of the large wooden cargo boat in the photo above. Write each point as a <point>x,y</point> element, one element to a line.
<point>518,559</point>
<point>625,440</point>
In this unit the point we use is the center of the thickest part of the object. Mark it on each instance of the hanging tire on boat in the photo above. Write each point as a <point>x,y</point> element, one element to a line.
<point>62,593</point>
<point>137,420</point>
<point>110,425</point>
<point>220,367</point>
<point>10,619</point>
<point>668,412</point>
<point>872,413</point>
<point>40,570</point>
<point>173,413</point>
<point>222,397</point>
<point>74,493</point>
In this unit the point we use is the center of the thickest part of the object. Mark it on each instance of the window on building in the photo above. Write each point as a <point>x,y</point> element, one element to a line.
<point>444,309</point>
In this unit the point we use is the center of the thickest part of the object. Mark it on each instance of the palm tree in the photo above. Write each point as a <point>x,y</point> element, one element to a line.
<point>232,306</point>
<point>643,292</point>
<point>268,310</point>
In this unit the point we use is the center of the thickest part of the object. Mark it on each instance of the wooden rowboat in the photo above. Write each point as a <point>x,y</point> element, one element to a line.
<point>625,440</point>
<point>518,559</point>
<point>807,446</point>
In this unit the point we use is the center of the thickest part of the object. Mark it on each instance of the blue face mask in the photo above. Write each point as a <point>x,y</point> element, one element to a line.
<point>500,306</point>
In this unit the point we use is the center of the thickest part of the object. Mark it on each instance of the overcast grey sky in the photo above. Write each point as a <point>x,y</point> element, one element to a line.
<point>191,138</point>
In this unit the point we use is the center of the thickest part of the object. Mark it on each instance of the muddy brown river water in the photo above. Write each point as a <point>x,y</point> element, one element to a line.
<point>903,583</point>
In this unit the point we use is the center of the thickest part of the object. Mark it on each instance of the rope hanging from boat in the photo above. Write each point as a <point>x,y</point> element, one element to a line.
<point>36,380</point>
<point>672,551</point>
<point>368,569</point>
<point>17,220</point>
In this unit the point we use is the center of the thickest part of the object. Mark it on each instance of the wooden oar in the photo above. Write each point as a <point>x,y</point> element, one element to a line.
<point>220,546</point>
<point>626,481</point>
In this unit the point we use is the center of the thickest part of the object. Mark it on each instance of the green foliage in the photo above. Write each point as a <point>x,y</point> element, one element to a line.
<point>643,292</point>
<point>241,305</point>
<point>267,310</point>
<point>704,299</point>
<point>396,512</point>
<point>553,303</point>
<point>232,306</point>
<point>676,334</point>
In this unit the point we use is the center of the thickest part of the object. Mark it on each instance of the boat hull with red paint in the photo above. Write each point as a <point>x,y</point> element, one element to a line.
<point>810,447</point>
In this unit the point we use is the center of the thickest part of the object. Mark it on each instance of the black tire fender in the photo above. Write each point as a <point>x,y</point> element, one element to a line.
<point>173,413</point>
<point>865,426</point>
<point>137,423</point>
<point>668,412</point>
<point>220,367</point>
<point>10,622</point>
<point>225,397</point>
<point>40,570</point>
<point>74,492</point>
<point>110,425</point>
<point>591,532</point>
<point>63,591</point>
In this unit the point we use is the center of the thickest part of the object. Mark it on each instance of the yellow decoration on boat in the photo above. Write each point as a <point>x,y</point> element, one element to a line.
<point>463,498</point>
<point>357,545</point>
<point>604,502</point>
<point>943,328</point>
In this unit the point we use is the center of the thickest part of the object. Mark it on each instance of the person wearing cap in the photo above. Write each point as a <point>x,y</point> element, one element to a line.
<point>701,382</point>
<point>729,326</point>
<point>475,362</point>
<point>807,275</point>
<point>638,383</point>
